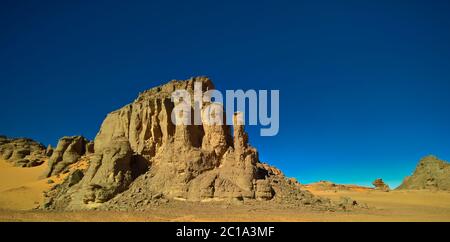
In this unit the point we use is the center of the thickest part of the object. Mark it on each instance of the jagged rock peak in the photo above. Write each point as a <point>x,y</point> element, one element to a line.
<point>165,90</point>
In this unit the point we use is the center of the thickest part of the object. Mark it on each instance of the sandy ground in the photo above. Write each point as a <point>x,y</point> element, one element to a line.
<point>21,190</point>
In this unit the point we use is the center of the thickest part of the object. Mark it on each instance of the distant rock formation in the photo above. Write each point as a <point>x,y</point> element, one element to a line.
<point>331,186</point>
<point>22,152</point>
<point>140,155</point>
<point>431,173</point>
<point>380,185</point>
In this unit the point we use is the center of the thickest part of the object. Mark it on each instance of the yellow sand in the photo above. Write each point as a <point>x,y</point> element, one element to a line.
<point>21,190</point>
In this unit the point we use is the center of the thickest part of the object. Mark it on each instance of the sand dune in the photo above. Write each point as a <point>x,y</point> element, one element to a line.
<point>21,188</point>
<point>12,177</point>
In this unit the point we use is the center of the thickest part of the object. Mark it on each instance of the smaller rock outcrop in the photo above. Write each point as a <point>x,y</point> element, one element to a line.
<point>49,151</point>
<point>431,174</point>
<point>110,172</point>
<point>380,185</point>
<point>331,186</point>
<point>22,152</point>
<point>67,152</point>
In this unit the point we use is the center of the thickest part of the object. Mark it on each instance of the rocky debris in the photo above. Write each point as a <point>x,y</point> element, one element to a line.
<point>264,190</point>
<point>68,151</point>
<point>288,194</point>
<point>269,170</point>
<point>347,202</point>
<point>22,152</point>
<point>75,177</point>
<point>293,181</point>
<point>431,174</point>
<point>141,157</point>
<point>380,185</point>
<point>276,192</point>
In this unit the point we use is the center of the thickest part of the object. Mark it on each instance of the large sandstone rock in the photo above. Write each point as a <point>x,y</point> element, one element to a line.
<point>22,152</point>
<point>380,185</point>
<point>431,173</point>
<point>68,151</point>
<point>139,155</point>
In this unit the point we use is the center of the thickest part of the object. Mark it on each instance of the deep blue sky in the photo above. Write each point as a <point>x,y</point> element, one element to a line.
<point>364,85</point>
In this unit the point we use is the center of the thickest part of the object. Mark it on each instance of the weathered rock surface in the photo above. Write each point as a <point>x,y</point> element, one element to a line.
<point>431,174</point>
<point>380,185</point>
<point>68,151</point>
<point>22,152</point>
<point>141,156</point>
<point>110,172</point>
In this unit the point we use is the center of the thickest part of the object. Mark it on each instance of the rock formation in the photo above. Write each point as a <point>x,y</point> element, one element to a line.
<point>331,186</point>
<point>431,173</point>
<point>68,151</point>
<point>49,151</point>
<point>380,185</point>
<point>22,152</point>
<point>140,155</point>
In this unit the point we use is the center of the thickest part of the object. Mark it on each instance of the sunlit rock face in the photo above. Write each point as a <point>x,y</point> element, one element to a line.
<point>431,174</point>
<point>138,146</point>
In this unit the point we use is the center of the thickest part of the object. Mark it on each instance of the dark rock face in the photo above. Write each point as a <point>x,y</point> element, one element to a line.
<point>90,148</point>
<point>431,173</point>
<point>22,152</point>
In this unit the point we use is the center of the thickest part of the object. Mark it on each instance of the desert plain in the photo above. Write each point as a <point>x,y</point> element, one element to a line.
<point>143,167</point>
<point>21,190</point>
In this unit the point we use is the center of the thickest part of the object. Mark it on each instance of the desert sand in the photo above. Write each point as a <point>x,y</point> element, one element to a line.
<point>21,190</point>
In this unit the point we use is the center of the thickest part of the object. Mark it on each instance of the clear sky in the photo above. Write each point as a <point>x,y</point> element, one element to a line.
<point>364,85</point>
